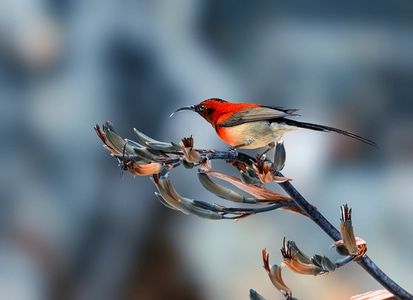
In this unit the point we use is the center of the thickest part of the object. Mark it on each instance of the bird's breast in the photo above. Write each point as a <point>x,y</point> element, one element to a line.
<point>250,135</point>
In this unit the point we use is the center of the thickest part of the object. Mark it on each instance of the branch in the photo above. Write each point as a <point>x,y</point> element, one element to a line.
<point>151,157</point>
<point>365,262</point>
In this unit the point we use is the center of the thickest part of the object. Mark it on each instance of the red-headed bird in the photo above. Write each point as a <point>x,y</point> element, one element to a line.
<point>252,126</point>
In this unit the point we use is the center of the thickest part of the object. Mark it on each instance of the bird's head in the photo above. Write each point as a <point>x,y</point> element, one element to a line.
<point>207,108</point>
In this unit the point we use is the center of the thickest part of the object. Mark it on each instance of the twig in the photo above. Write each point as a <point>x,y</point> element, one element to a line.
<point>365,262</point>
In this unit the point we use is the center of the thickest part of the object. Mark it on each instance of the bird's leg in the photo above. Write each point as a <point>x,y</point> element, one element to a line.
<point>234,148</point>
<point>245,143</point>
<point>269,148</point>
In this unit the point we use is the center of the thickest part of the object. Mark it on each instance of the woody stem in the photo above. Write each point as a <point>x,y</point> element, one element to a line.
<point>365,262</point>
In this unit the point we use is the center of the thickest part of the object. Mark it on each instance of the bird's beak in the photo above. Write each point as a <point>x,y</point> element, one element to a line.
<point>182,109</point>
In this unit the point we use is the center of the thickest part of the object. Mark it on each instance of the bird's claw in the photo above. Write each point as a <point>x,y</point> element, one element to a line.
<point>233,150</point>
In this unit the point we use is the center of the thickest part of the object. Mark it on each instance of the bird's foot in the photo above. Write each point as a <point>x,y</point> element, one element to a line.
<point>263,155</point>
<point>233,150</point>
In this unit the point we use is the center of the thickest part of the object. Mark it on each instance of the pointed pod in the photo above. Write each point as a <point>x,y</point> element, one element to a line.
<point>166,191</point>
<point>162,146</point>
<point>191,155</point>
<point>112,141</point>
<point>146,141</point>
<point>146,169</point>
<point>280,156</point>
<point>323,262</point>
<point>375,295</point>
<point>300,263</point>
<point>142,138</point>
<point>201,209</point>
<point>274,273</point>
<point>164,202</point>
<point>187,165</point>
<point>249,177</point>
<point>347,232</point>
<point>145,153</point>
<point>187,147</point>
<point>256,191</point>
<point>170,198</point>
<point>255,296</point>
<point>219,190</point>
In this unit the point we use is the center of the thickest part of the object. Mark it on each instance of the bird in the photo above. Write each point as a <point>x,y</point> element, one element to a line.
<point>252,126</point>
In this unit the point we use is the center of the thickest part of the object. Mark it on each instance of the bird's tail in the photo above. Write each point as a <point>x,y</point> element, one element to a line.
<point>327,129</point>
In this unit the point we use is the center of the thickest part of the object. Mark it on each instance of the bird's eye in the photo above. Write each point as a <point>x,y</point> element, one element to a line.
<point>201,107</point>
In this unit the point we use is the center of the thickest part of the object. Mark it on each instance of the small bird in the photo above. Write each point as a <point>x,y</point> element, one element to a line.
<point>251,126</point>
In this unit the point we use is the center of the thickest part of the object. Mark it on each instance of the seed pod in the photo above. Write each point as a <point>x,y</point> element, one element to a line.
<point>280,156</point>
<point>219,190</point>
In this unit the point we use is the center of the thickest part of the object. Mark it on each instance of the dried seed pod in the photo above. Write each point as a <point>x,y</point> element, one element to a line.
<point>143,139</point>
<point>112,141</point>
<point>346,230</point>
<point>219,190</point>
<point>249,178</point>
<point>170,198</point>
<point>375,295</point>
<point>256,191</point>
<point>274,272</point>
<point>323,262</point>
<point>255,296</point>
<point>280,156</point>
<point>186,164</point>
<point>187,147</point>
<point>146,169</point>
<point>300,263</point>
<point>144,153</point>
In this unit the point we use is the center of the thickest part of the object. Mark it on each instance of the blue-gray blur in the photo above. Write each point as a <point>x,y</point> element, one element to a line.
<point>71,227</point>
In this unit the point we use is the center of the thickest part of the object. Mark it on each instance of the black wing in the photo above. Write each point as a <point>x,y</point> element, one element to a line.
<point>257,114</point>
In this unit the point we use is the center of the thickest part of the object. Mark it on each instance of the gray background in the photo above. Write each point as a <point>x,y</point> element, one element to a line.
<point>72,228</point>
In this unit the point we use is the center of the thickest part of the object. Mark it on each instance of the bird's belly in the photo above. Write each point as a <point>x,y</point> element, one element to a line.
<point>251,135</point>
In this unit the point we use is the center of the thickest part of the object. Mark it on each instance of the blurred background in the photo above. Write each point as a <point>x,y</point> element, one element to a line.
<point>72,227</point>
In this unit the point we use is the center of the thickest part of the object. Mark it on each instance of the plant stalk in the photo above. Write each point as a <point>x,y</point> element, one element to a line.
<point>365,262</point>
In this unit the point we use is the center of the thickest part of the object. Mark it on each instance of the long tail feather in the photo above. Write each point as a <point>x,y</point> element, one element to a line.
<point>327,129</point>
